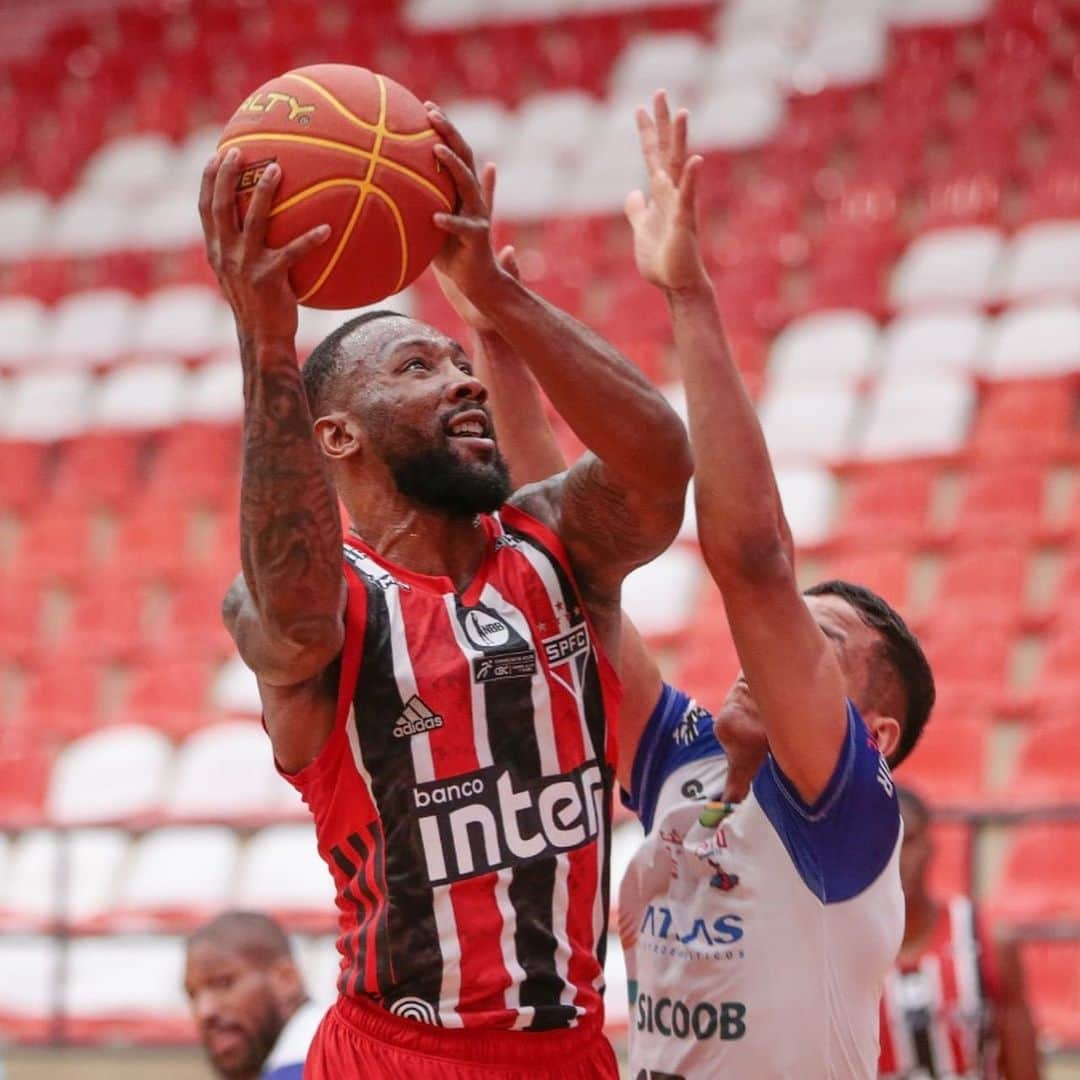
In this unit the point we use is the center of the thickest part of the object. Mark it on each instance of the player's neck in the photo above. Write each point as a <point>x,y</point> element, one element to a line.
<point>418,538</point>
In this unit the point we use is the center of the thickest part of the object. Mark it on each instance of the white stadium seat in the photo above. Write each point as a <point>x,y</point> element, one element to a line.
<point>110,775</point>
<point>92,327</point>
<point>673,61</point>
<point>184,320</point>
<point>936,12</point>
<point>553,126</point>
<point>660,597</point>
<point>190,159</point>
<point>737,117</point>
<point>89,223</point>
<point>738,62</point>
<point>23,324</point>
<point>808,495</point>
<point>140,396</point>
<point>24,217</point>
<point>531,188</point>
<point>912,418</point>
<point>920,343</point>
<point>486,125</point>
<point>130,165</point>
<point>236,689</point>
<point>320,963</point>
<point>812,425</point>
<point>30,965</point>
<point>168,220</point>
<point>179,872</point>
<point>317,323</point>
<point>281,872</point>
<point>835,347</point>
<point>761,18</point>
<point>1043,339</point>
<point>948,265</point>
<point>611,169</point>
<point>443,14</point>
<point>91,863</point>
<point>224,771</point>
<point>215,390</point>
<point>841,54</point>
<point>123,978</point>
<point>1043,260</point>
<point>45,405</point>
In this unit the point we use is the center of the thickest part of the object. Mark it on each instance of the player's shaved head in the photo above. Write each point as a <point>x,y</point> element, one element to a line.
<point>253,935</point>
<point>328,360</point>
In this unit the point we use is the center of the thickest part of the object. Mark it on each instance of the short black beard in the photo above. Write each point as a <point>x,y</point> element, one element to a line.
<point>440,480</point>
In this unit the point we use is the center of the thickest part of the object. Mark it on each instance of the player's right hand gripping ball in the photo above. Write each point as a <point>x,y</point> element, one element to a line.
<point>356,153</point>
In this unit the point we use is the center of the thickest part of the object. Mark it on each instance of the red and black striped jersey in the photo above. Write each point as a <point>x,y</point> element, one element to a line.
<point>463,799</point>
<point>937,1012</point>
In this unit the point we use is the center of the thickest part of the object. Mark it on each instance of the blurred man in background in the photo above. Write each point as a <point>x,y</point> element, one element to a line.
<point>954,1006</point>
<point>248,998</point>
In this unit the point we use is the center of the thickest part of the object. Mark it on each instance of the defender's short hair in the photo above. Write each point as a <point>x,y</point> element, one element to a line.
<point>900,650</point>
<point>251,933</point>
<point>324,362</point>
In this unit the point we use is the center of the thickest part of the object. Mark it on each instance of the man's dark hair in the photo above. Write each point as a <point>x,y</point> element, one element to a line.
<point>900,650</point>
<point>254,935</point>
<point>324,361</point>
<point>914,802</point>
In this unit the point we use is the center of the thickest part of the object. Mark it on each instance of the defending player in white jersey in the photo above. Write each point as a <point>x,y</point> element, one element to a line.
<point>759,929</point>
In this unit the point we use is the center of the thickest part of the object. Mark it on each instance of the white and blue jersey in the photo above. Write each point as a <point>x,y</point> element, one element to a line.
<point>286,1060</point>
<point>757,944</point>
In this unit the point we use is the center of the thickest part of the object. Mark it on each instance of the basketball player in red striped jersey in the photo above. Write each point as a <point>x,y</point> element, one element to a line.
<point>954,1005</point>
<point>441,694</point>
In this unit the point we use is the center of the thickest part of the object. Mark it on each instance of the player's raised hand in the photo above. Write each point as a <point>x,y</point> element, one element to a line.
<point>665,219</point>
<point>254,278</point>
<point>467,258</point>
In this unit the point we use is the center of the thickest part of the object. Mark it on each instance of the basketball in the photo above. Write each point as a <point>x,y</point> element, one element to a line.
<point>355,153</point>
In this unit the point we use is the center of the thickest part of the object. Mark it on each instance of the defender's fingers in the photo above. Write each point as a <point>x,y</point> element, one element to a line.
<point>688,186</point>
<point>662,113</point>
<point>224,200</point>
<point>206,192</point>
<point>470,196</point>
<point>508,261</point>
<point>649,146</point>
<point>487,185</point>
<point>634,207</point>
<point>450,134</point>
<point>296,249</point>
<point>677,150</point>
<point>258,211</point>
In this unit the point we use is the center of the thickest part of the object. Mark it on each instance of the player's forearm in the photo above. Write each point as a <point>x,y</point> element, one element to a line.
<point>608,403</point>
<point>741,524</point>
<point>525,434</point>
<point>290,528</point>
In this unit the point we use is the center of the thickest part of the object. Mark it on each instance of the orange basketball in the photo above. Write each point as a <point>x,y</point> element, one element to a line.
<point>355,152</point>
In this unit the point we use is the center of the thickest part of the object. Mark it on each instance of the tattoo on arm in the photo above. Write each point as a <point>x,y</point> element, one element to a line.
<point>290,527</point>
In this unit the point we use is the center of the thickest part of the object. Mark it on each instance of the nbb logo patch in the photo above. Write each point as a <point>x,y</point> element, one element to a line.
<point>676,1019</point>
<point>482,821</point>
<point>504,652</point>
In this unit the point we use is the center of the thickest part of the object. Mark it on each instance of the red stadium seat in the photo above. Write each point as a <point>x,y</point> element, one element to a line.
<point>1000,504</point>
<point>1059,675</point>
<point>963,198</point>
<point>1048,767</point>
<point>26,777</point>
<point>950,868</point>
<point>108,619</point>
<point>1039,879</point>
<point>948,764</point>
<point>100,469</point>
<point>193,628</point>
<point>890,504</point>
<point>196,465</point>
<point>22,479</point>
<point>55,544</point>
<point>709,663</point>
<point>1025,420</point>
<point>21,620</point>
<point>62,698</point>
<point>153,542</point>
<point>979,662</point>
<point>987,578</point>
<point>1052,981</point>
<point>169,695</point>
<point>886,570</point>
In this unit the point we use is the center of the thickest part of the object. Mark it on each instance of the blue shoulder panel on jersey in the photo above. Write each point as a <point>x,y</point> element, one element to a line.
<point>285,1072</point>
<point>842,843</point>
<point>679,731</point>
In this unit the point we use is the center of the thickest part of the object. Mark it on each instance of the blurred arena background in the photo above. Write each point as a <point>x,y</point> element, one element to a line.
<point>892,215</point>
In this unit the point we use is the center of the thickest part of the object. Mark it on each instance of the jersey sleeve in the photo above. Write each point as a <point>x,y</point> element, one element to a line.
<point>842,843</point>
<point>286,1072</point>
<point>678,732</point>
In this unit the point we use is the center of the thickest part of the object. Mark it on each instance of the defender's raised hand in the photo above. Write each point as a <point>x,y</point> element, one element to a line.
<point>467,258</point>
<point>664,221</point>
<point>254,278</point>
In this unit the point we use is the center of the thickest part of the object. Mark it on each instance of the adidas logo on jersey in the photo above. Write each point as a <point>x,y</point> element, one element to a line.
<point>416,719</point>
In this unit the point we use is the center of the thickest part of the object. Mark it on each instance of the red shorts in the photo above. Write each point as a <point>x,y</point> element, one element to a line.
<point>357,1041</point>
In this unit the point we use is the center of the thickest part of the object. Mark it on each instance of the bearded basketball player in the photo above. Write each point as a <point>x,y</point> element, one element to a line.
<point>439,690</point>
